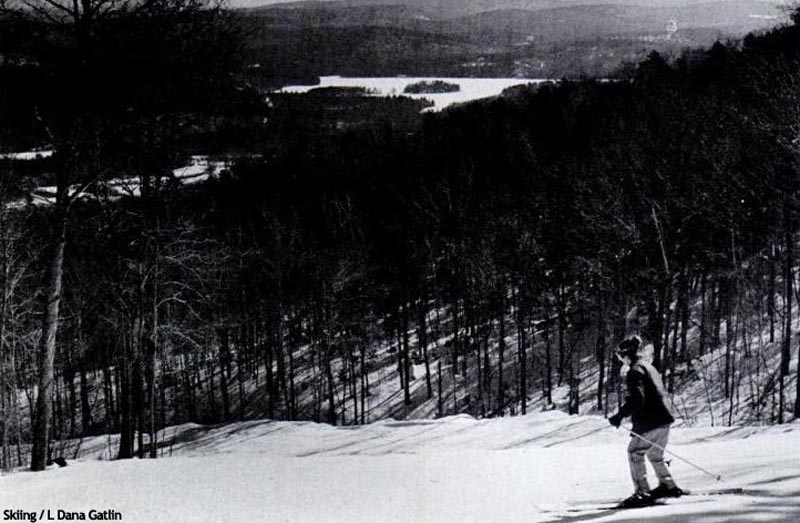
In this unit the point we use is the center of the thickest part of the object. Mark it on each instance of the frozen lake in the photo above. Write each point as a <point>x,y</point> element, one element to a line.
<point>470,88</point>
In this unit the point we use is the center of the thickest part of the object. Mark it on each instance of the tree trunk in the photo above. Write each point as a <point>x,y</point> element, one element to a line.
<point>268,364</point>
<point>69,378</point>
<point>701,349</point>
<point>771,294</point>
<point>138,403</point>
<point>487,374</point>
<point>5,404</point>
<point>86,411</point>
<point>456,338</point>
<point>152,347</point>
<point>401,368</point>
<point>797,391</point>
<point>562,328</point>
<point>501,350</point>
<point>224,372</point>
<point>422,338</point>
<point>108,395</point>
<point>295,339</point>
<point>241,368</point>
<point>684,308</point>
<point>409,371</point>
<point>352,359</point>
<point>326,352</point>
<point>5,389</point>
<point>600,349</point>
<point>788,276</point>
<point>730,335</point>
<point>363,375</point>
<point>126,423</point>
<point>213,413</point>
<point>47,353</point>
<point>548,362</point>
<point>522,359</point>
<point>281,387</point>
<point>656,311</point>
<point>676,329</point>
<point>716,314</point>
<point>440,403</point>
<point>14,377</point>
<point>150,378</point>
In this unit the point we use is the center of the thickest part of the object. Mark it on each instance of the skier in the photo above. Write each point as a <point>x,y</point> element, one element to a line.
<point>652,418</point>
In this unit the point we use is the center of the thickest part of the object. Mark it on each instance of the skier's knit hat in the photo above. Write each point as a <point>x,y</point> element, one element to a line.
<point>629,347</point>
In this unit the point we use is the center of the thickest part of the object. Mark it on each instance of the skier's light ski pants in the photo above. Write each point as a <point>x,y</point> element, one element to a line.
<point>639,449</point>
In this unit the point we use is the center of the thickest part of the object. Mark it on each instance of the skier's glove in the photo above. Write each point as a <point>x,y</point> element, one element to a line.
<point>615,420</point>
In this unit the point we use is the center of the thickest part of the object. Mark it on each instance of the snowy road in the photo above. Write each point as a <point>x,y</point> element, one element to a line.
<point>459,470</point>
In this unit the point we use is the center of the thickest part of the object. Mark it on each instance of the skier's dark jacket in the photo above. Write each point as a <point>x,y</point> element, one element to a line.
<point>645,403</point>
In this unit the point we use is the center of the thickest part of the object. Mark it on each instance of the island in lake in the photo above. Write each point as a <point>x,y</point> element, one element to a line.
<point>431,87</point>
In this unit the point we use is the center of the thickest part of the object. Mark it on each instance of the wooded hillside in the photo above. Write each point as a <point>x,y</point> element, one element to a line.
<point>493,247</point>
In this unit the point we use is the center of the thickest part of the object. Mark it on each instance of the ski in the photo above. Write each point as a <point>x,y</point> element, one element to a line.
<point>688,497</point>
<point>687,494</point>
<point>603,507</point>
<point>717,492</point>
<point>618,506</point>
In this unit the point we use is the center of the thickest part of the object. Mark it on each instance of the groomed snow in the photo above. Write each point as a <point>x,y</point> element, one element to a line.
<point>525,469</point>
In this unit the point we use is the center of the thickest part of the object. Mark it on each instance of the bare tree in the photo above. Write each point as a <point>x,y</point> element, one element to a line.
<point>103,86</point>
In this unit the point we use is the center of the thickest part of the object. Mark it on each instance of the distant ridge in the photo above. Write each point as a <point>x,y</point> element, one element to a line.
<point>456,8</point>
<point>487,38</point>
<point>541,18</point>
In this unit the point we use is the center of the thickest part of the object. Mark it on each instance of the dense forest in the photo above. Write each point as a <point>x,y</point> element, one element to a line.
<point>496,245</point>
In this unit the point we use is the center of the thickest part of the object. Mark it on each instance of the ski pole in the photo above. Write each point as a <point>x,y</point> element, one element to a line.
<point>718,477</point>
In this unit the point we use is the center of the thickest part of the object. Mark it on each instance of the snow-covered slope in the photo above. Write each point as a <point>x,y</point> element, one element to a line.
<point>457,469</point>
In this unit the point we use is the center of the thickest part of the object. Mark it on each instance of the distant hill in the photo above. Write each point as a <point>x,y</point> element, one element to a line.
<point>444,9</point>
<point>486,37</point>
<point>578,22</point>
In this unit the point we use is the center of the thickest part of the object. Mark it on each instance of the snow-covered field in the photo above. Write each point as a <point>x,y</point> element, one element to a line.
<point>470,88</point>
<point>524,469</point>
<point>27,155</point>
<point>199,169</point>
